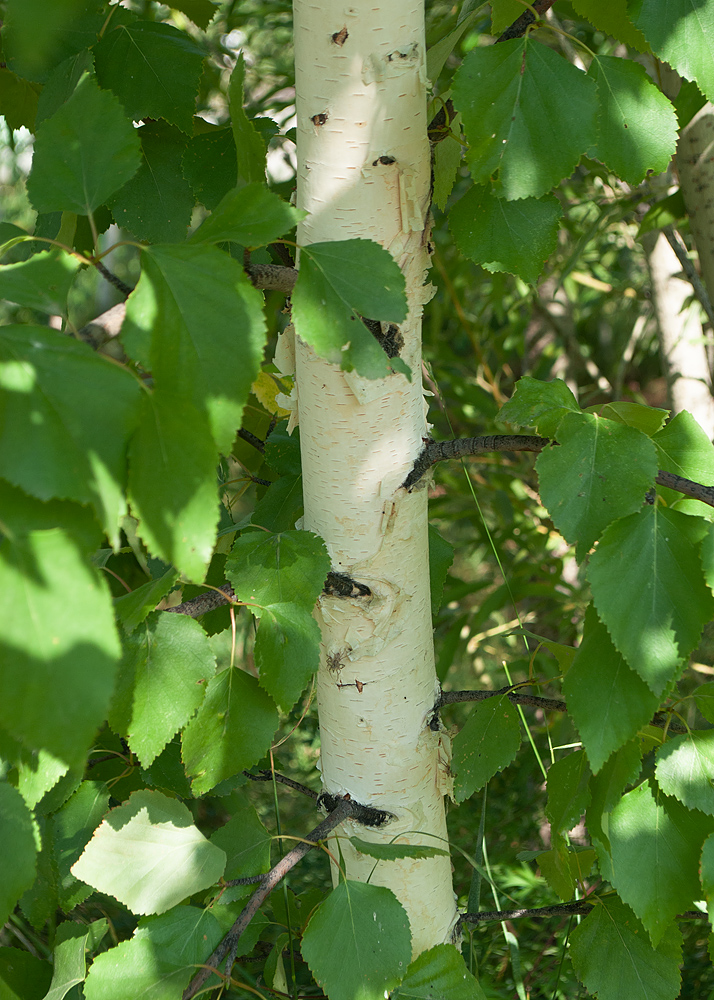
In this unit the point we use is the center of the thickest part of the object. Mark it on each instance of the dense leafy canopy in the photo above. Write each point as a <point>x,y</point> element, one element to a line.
<point>141,471</point>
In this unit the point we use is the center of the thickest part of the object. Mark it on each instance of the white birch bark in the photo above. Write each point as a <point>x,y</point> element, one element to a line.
<point>361,95</point>
<point>681,337</point>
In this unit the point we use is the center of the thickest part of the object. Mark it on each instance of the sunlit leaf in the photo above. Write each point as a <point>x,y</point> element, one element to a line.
<point>149,855</point>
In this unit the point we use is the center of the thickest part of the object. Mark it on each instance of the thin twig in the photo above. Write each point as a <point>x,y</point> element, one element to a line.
<point>675,241</point>
<point>580,906</point>
<point>257,442</point>
<point>229,945</point>
<point>662,720</point>
<point>518,28</point>
<point>112,278</point>
<point>559,910</point>
<point>281,780</point>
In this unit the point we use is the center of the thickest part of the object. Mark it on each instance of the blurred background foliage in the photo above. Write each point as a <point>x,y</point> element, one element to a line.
<point>589,320</point>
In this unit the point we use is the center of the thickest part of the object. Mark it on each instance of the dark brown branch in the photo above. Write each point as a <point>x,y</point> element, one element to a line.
<point>436,451</point>
<point>273,277</point>
<point>204,602</point>
<point>686,486</point>
<point>559,910</point>
<point>112,278</point>
<point>516,697</point>
<point>229,944</point>
<point>675,241</point>
<point>281,780</point>
<point>579,906</point>
<point>257,443</point>
<point>518,28</point>
<point>663,720</point>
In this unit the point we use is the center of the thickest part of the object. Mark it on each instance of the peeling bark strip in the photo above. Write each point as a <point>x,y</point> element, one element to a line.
<point>360,438</point>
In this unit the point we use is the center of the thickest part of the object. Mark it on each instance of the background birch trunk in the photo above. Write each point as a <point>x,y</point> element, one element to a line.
<point>364,171</point>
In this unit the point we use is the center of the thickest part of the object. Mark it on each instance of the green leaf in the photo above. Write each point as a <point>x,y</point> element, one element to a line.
<point>131,609</point>
<point>22,975</point>
<point>600,471</point>
<point>209,164</point>
<point>18,100</point>
<point>568,791</point>
<point>231,731</point>
<point>642,566</point>
<point>71,941</point>
<point>20,840</point>
<point>503,14</point>
<point>201,12</point>
<point>37,35</point>
<point>339,282</point>
<point>149,855</point>
<point>156,204</point>
<point>704,697</point>
<point>58,641</point>
<point>600,676</point>
<point>167,772</point>
<point>249,144</point>
<point>439,972</point>
<point>245,841</point>
<point>612,18</point>
<point>84,153</point>
<point>42,282</point>
<point>68,414</point>
<point>680,33</point>
<point>447,159</point>
<point>270,569</point>
<point>500,235</point>
<point>287,651</point>
<point>613,958</point>
<point>555,868</point>
<point>172,491</point>
<point>71,829</point>
<point>153,68</point>
<point>488,742</point>
<point>250,215</point>
<point>393,852</point>
<point>162,680</point>
<point>62,82</point>
<point>37,772</point>
<point>159,961</point>
<point>281,505</point>
<point>606,787</point>
<point>668,212</point>
<point>441,556</point>
<point>637,125</point>
<point>684,449</point>
<point>685,769</point>
<point>198,323</point>
<point>648,419</point>
<point>538,404</point>
<point>358,942</point>
<point>707,872</point>
<point>656,843</point>
<point>527,113</point>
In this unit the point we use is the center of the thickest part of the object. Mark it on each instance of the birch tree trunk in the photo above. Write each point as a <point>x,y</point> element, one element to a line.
<point>364,172</point>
